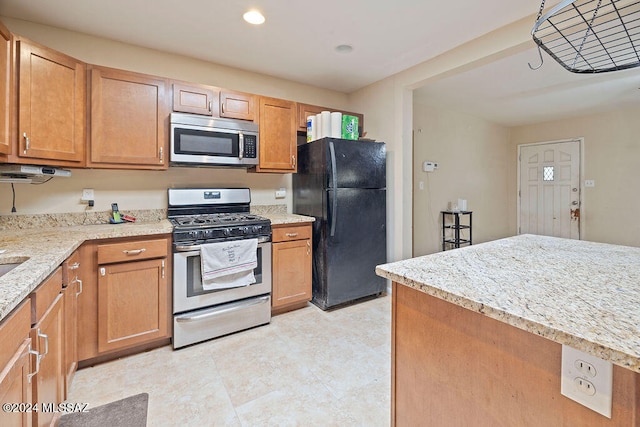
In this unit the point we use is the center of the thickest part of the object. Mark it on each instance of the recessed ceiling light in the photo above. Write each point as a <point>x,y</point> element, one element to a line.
<point>254,17</point>
<point>344,48</point>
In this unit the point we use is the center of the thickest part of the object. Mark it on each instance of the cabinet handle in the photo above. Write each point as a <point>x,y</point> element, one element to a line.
<point>133,251</point>
<point>161,153</point>
<point>291,234</point>
<point>222,108</point>
<point>211,106</point>
<point>80,283</point>
<point>74,266</point>
<point>27,142</point>
<point>308,247</point>
<point>162,271</point>
<point>34,353</point>
<point>293,161</point>
<point>46,343</point>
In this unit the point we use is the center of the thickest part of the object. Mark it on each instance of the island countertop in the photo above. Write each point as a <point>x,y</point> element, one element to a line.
<point>582,294</point>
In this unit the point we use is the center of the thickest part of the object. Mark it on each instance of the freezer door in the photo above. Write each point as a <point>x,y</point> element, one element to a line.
<point>355,243</point>
<point>356,164</point>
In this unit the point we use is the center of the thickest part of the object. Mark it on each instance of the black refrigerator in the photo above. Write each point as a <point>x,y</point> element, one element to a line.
<point>342,183</point>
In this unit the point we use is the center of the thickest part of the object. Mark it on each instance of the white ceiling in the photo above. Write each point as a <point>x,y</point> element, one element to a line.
<point>298,39</point>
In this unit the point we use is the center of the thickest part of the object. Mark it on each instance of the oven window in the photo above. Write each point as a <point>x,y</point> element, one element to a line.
<point>194,275</point>
<point>206,143</point>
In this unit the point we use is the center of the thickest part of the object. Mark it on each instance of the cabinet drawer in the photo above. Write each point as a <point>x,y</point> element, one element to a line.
<point>288,233</point>
<point>132,251</point>
<point>44,295</point>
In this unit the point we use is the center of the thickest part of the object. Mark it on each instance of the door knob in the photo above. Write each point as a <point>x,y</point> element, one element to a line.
<point>574,203</point>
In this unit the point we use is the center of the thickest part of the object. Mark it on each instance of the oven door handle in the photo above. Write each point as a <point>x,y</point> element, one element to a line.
<point>188,248</point>
<point>216,312</point>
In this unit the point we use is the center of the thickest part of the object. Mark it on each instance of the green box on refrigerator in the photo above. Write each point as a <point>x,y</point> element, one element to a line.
<point>349,127</point>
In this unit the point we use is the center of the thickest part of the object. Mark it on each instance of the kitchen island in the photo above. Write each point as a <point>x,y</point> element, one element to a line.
<point>477,332</point>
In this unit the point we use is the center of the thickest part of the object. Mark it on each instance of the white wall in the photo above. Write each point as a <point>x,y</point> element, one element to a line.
<point>147,189</point>
<point>473,164</point>
<point>388,106</point>
<point>611,158</point>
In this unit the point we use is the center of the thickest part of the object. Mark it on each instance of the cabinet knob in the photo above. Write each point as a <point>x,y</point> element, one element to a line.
<point>103,271</point>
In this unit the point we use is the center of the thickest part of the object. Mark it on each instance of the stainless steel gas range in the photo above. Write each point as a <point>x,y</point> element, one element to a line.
<point>205,217</point>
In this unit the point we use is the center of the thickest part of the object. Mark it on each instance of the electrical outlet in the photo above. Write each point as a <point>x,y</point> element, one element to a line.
<point>87,194</point>
<point>281,193</point>
<point>589,182</point>
<point>587,379</point>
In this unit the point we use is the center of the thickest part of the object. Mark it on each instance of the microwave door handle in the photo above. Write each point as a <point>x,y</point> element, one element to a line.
<point>241,148</point>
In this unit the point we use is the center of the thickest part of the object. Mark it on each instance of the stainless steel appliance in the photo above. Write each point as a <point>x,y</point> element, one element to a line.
<point>342,184</point>
<point>213,141</point>
<point>201,216</point>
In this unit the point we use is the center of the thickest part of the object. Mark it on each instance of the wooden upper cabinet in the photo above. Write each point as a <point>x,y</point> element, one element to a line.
<point>196,99</point>
<point>278,145</point>
<point>5,89</point>
<point>52,104</point>
<point>237,105</point>
<point>129,120</point>
<point>306,110</point>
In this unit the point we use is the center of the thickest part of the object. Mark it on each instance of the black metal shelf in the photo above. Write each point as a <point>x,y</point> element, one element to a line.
<point>456,226</point>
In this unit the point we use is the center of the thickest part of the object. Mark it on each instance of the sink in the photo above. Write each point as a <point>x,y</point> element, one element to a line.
<point>6,265</point>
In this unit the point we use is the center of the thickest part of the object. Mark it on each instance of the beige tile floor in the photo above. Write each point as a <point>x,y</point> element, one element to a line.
<point>306,368</point>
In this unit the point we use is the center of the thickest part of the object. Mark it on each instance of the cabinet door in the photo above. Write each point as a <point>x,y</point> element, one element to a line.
<point>51,120</point>
<point>15,386</point>
<point>128,120</point>
<point>237,105</point>
<point>88,302</point>
<point>5,89</point>
<point>278,145</point>
<point>70,297</point>
<point>291,272</point>
<point>132,303</point>
<point>47,338</point>
<point>196,99</point>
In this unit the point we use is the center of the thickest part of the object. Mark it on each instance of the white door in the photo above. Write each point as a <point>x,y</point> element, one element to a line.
<point>549,202</point>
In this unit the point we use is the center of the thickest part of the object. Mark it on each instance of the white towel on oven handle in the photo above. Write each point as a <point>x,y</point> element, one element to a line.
<point>228,264</point>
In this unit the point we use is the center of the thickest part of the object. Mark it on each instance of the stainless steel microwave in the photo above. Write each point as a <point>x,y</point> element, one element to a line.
<point>212,141</point>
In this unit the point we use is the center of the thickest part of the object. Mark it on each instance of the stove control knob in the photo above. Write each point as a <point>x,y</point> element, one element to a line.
<point>256,228</point>
<point>227,232</point>
<point>193,235</point>
<point>245,230</point>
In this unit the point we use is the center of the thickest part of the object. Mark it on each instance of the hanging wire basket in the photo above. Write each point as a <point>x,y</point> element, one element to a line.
<point>591,36</point>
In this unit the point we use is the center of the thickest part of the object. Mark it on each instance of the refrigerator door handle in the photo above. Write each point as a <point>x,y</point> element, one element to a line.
<point>334,187</point>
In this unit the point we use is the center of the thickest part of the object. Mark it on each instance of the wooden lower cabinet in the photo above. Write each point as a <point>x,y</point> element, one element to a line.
<point>132,300</point>
<point>125,302</point>
<point>71,290</point>
<point>291,267</point>
<point>15,365</point>
<point>47,337</point>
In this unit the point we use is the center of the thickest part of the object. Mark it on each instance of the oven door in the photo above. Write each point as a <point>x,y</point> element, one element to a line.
<point>188,293</point>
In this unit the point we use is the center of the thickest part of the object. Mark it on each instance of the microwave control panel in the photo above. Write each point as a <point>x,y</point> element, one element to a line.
<point>250,146</point>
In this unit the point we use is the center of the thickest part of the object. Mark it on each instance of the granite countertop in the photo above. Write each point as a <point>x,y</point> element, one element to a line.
<point>285,218</point>
<point>43,242</point>
<point>46,248</point>
<point>582,294</point>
